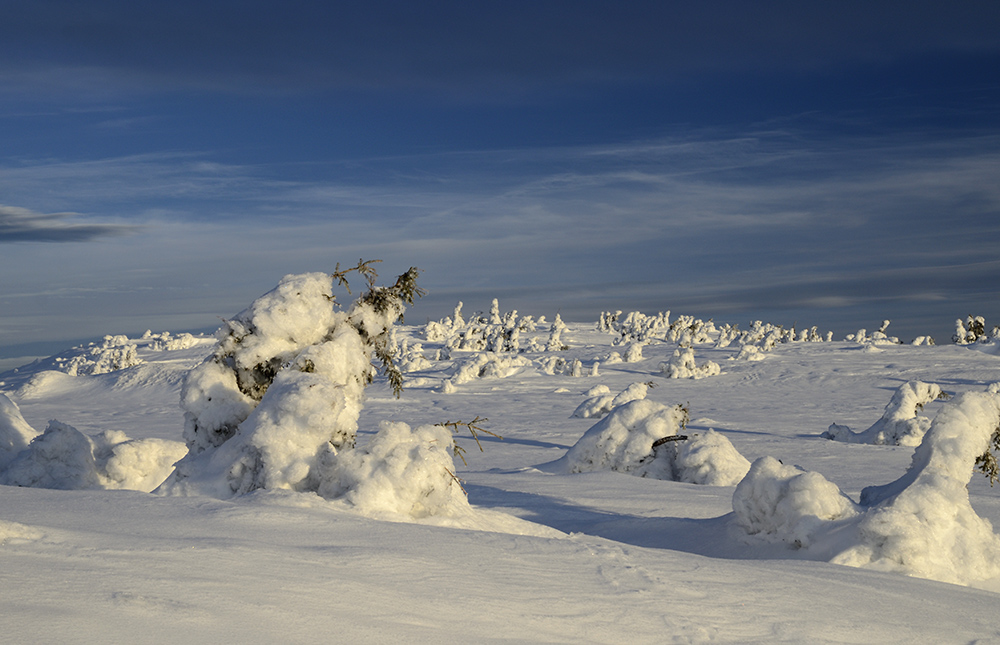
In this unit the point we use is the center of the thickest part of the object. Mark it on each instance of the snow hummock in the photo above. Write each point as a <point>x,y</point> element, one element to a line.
<point>785,503</point>
<point>62,457</point>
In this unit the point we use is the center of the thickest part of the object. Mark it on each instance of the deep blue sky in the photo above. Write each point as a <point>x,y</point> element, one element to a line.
<point>819,163</point>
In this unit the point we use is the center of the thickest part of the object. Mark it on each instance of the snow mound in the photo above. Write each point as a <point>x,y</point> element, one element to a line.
<point>600,401</point>
<point>400,471</point>
<point>641,437</point>
<point>15,433</point>
<point>707,458</point>
<point>900,425</point>
<point>682,365</point>
<point>922,524</point>
<point>784,503</point>
<point>62,457</point>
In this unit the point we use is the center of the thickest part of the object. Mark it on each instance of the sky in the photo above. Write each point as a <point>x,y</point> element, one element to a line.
<point>825,163</point>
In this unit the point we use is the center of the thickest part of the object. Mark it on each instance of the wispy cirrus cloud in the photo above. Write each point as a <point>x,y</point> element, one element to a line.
<point>721,224</point>
<point>24,225</point>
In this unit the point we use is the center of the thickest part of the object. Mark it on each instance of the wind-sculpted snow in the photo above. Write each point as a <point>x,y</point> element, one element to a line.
<point>900,425</point>
<point>922,524</point>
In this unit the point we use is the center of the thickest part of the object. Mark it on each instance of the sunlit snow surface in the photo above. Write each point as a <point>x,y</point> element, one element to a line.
<point>544,556</point>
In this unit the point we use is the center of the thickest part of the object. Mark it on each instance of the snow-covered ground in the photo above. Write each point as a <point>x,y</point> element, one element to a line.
<point>558,545</point>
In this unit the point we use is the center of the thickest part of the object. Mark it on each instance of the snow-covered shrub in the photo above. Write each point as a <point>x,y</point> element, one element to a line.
<point>766,336</point>
<point>749,353</point>
<point>114,353</point>
<point>166,343</point>
<point>922,524</point>
<point>727,334</point>
<point>557,365</point>
<point>488,365</point>
<point>973,330</point>
<point>283,389</point>
<point>633,354</point>
<point>706,458</point>
<point>624,439</point>
<point>441,331</point>
<point>687,330</point>
<point>600,401</point>
<point>63,457</point>
<point>15,433</point>
<point>555,343</point>
<point>608,321</point>
<point>877,337</point>
<point>411,358</point>
<point>682,365</point>
<point>635,326</point>
<point>640,437</point>
<point>493,333</point>
<point>785,503</point>
<point>399,471</point>
<point>900,425</point>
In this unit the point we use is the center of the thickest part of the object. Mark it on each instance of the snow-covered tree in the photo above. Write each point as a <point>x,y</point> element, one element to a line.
<point>900,425</point>
<point>284,386</point>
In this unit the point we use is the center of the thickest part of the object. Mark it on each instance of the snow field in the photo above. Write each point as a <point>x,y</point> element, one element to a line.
<point>536,552</point>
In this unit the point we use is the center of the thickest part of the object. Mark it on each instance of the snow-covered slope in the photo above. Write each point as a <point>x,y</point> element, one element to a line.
<point>543,554</point>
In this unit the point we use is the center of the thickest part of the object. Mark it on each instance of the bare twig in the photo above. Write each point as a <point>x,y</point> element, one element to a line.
<point>457,481</point>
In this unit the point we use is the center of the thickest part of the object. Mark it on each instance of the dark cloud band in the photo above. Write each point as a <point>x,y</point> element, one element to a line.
<point>23,225</point>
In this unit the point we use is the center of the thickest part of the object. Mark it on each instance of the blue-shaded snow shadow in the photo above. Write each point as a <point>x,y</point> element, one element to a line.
<point>716,537</point>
